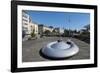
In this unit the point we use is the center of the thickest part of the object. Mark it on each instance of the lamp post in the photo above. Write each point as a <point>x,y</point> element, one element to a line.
<point>69,26</point>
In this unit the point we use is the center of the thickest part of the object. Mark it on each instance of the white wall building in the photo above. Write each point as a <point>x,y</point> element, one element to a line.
<point>59,30</point>
<point>47,28</point>
<point>34,26</point>
<point>25,22</point>
<point>28,26</point>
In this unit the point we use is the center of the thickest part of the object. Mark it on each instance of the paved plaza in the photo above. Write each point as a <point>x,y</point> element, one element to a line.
<point>31,48</point>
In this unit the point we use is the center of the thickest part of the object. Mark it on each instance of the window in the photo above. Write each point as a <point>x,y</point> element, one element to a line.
<point>25,20</point>
<point>25,24</point>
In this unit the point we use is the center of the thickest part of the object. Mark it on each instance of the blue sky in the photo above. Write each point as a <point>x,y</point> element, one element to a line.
<point>64,20</point>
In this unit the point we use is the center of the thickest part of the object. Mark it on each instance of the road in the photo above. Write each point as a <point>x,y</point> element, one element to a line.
<point>31,48</point>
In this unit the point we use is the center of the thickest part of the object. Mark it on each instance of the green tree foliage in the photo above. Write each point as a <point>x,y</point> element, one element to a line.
<point>87,27</point>
<point>66,32</point>
<point>47,32</point>
<point>54,31</point>
<point>33,33</point>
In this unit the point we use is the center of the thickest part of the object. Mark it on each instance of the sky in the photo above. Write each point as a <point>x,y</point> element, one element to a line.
<point>64,20</point>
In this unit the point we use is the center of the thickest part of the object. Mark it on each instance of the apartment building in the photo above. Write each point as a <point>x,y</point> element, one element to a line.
<point>28,26</point>
<point>34,26</point>
<point>25,25</point>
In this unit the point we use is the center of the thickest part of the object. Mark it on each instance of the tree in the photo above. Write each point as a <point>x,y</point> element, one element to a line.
<point>87,27</point>
<point>54,31</point>
<point>47,32</point>
<point>66,32</point>
<point>75,31</point>
<point>33,33</point>
<point>50,26</point>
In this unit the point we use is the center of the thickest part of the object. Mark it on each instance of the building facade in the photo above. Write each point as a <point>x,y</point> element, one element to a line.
<point>34,27</point>
<point>25,25</point>
<point>28,26</point>
<point>59,30</point>
<point>43,28</point>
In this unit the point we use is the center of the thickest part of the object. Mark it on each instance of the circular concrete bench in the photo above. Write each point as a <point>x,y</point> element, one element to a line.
<point>60,49</point>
